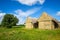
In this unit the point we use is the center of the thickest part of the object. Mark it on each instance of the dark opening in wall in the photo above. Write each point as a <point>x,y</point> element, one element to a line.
<point>35,25</point>
<point>55,24</point>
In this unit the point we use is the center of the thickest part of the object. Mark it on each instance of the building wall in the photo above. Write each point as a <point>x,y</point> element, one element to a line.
<point>29,25</point>
<point>59,24</point>
<point>41,25</point>
<point>52,25</point>
<point>46,25</point>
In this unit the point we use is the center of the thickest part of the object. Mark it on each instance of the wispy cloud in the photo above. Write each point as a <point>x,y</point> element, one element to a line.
<point>30,2</point>
<point>26,13</point>
<point>58,13</point>
<point>41,1</point>
<point>21,15</point>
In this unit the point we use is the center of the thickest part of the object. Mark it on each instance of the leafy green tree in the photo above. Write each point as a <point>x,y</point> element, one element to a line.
<point>9,20</point>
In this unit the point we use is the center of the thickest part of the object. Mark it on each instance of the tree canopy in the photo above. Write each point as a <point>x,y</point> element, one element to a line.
<point>9,20</point>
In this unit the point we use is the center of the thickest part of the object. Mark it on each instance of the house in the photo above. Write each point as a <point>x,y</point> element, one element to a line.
<point>44,22</point>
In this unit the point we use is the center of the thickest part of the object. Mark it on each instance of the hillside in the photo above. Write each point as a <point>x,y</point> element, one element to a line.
<point>26,34</point>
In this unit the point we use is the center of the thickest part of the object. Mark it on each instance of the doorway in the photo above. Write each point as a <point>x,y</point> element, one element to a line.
<point>35,25</point>
<point>55,24</point>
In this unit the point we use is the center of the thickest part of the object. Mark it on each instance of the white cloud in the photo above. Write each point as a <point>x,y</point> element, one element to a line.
<point>41,1</point>
<point>26,13</point>
<point>21,15</point>
<point>58,13</point>
<point>1,16</point>
<point>30,2</point>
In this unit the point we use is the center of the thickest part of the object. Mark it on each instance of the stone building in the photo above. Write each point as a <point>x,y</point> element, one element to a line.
<point>44,22</point>
<point>30,22</point>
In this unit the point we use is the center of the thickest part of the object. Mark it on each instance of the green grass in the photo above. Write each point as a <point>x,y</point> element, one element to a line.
<point>18,33</point>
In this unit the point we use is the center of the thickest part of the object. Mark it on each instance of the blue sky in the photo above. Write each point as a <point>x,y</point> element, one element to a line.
<point>32,8</point>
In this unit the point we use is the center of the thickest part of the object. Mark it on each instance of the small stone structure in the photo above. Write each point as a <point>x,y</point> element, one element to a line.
<point>44,22</point>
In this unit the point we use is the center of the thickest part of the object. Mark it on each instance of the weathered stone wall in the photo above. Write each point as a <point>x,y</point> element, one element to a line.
<point>29,25</point>
<point>45,25</point>
<point>59,24</point>
<point>52,25</point>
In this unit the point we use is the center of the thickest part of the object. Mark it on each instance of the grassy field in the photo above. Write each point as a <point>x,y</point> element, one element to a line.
<point>18,33</point>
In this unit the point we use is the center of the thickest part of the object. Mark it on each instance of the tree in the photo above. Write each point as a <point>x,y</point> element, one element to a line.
<point>9,20</point>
